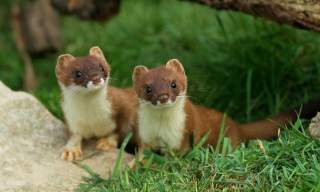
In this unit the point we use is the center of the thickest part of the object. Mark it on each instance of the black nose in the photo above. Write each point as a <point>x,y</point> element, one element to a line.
<point>163,98</point>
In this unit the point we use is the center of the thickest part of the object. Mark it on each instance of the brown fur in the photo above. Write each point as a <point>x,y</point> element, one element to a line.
<point>199,120</point>
<point>91,67</point>
<point>124,108</point>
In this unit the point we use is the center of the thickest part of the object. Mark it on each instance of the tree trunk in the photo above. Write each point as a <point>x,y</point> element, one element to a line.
<point>40,27</point>
<point>299,13</point>
<point>30,81</point>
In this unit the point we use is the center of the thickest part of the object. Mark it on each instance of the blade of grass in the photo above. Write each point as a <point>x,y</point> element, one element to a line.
<point>117,168</point>
<point>221,134</point>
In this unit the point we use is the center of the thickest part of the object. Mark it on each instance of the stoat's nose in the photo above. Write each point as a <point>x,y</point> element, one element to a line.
<point>163,98</point>
<point>96,80</point>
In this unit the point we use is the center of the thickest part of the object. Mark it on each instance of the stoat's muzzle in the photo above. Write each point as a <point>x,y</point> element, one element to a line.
<point>95,84</point>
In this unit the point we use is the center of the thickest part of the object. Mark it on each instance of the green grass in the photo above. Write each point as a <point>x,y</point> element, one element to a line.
<point>247,67</point>
<point>290,164</point>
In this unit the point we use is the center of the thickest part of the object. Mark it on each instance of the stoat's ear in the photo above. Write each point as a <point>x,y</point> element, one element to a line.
<point>64,60</point>
<point>175,65</point>
<point>62,63</point>
<point>97,52</point>
<point>138,71</point>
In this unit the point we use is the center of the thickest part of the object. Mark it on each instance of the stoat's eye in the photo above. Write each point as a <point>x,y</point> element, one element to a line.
<point>78,74</point>
<point>101,68</point>
<point>173,85</point>
<point>148,89</point>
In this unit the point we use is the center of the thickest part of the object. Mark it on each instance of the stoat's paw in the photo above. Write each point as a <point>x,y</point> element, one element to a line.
<point>71,153</point>
<point>107,143</point>
<point>132,164</point>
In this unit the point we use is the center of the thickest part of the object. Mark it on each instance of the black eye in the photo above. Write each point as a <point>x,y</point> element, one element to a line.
<point>173,85</point>
<point>101,68</point>
<point>78,74</point>
<point>148,89</point>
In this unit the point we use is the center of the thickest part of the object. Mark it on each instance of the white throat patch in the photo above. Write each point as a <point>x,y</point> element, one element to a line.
<point>162,127</point>
<point>88,113</point>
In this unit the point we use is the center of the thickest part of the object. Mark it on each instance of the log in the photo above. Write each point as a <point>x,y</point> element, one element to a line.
<point>99,10</point>
<point>303,14</point>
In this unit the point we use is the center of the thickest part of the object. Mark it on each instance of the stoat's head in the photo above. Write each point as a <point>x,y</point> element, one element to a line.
<point>161,86</point>
<point>83,74</point>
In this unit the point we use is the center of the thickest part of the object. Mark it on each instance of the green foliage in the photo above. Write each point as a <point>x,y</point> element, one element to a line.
<point>289,164</point>
<point>247,67</point>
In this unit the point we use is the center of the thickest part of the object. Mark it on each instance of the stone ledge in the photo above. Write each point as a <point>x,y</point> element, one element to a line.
<point>31,140</point>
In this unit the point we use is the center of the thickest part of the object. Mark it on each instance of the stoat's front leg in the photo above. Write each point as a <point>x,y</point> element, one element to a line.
<point>140,156</point>
<point>72,151</point>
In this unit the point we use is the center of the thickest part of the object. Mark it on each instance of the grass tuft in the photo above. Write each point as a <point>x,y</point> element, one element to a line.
<point>288,164</point>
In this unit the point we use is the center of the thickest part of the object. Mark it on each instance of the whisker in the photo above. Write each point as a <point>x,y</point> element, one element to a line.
<point>183,96</point>
<point>142,101</point>
<point>111,79</point>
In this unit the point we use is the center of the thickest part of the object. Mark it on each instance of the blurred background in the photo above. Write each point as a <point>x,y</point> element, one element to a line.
<point>246,66</point>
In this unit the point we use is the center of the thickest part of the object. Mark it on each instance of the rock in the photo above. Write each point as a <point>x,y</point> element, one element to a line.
<point>31,141</point>
<point>314,127</point>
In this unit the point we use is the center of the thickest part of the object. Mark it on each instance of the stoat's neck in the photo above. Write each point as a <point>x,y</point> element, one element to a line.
<point>168,112</point>
<point>70,93</point>
<point>161,127</point>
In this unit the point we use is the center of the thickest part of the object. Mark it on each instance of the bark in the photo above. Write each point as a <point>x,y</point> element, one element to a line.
<point>99,10</point>
<point>299,13</point>
<point>30,81</point>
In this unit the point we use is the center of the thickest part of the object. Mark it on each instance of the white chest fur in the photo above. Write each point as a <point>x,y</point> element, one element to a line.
<point>162,127</point>
<point>88,114</point>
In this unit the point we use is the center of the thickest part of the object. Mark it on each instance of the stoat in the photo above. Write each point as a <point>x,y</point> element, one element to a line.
<point>167,119</point>
<point>91,107</point>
